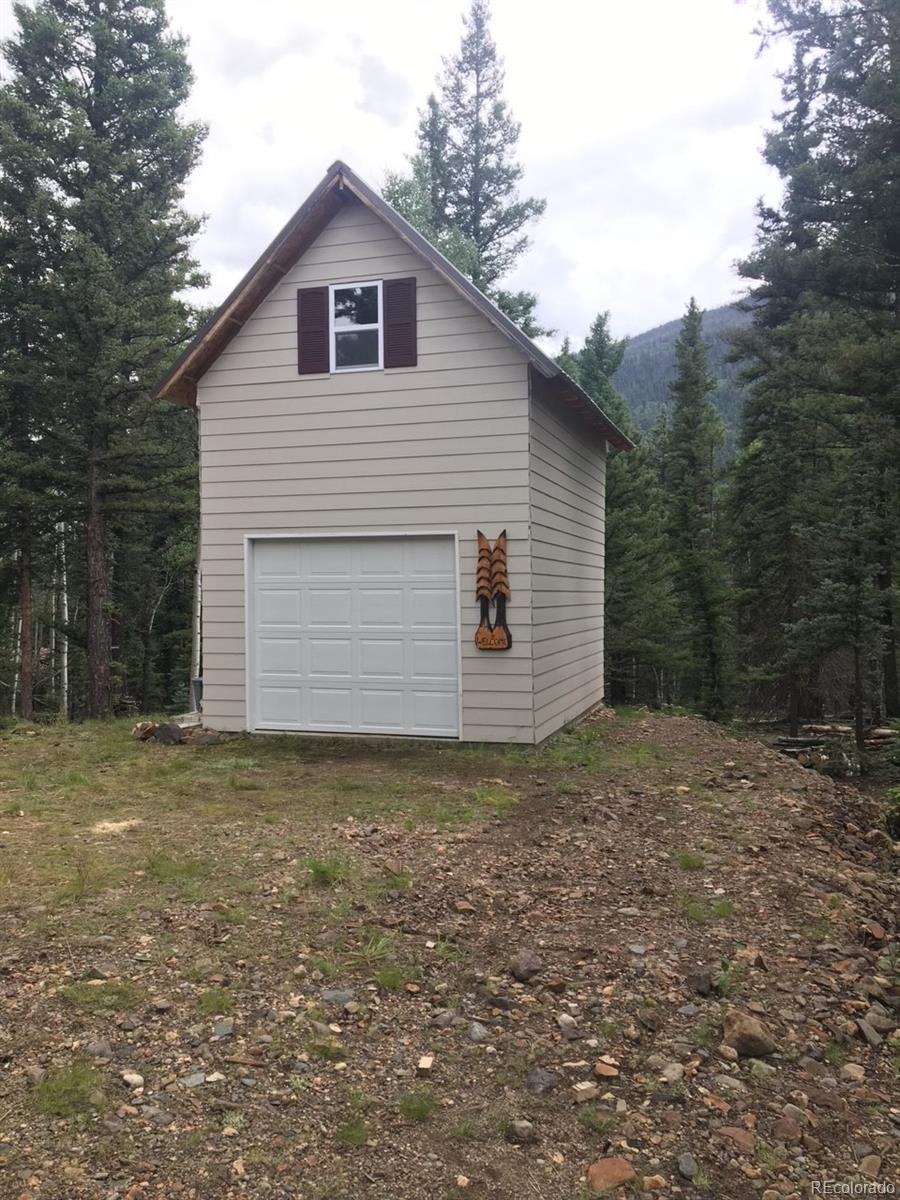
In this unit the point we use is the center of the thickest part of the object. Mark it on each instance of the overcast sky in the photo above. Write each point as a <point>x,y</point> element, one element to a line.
<point>642,125</point>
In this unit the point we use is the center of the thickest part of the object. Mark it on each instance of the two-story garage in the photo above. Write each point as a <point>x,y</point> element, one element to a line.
<point>402,496</point>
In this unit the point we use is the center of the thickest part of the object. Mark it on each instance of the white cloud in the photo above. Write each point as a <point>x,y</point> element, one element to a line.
<point>642,123</point>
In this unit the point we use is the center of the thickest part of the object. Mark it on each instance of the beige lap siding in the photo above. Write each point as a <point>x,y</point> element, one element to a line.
<point>438,447</point>
<point>568,476</point>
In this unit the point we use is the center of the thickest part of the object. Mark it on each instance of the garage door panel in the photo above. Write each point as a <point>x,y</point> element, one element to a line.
<point>278,656</point>
<point>434,711</point>
<point>356,635</point>
<point>330,657</point>
<point>433,659</point>
<point>330,708</point>
<point>433,608</point>
<point>329,608</point>
<point>280,707</point>
<point>277,559</point>
<point>381,710</point>
<point>381,659</point>
<point>380,608</point>
<point>277,608</point>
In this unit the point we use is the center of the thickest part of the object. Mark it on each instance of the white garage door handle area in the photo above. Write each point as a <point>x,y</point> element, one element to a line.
<point>355,634</point>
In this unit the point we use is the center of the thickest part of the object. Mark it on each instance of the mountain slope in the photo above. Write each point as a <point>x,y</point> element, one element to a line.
<point>649,367</point>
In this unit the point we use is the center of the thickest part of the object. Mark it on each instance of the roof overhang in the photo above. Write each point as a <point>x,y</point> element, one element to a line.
<point>339,187</point>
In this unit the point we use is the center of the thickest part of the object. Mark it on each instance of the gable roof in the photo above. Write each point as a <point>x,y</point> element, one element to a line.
<point>339,185</point>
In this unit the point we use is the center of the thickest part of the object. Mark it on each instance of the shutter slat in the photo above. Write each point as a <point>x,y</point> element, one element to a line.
<point>313,356</point>
<point>400,342</point>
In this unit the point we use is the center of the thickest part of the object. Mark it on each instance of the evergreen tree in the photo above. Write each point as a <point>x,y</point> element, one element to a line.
<point>640,617</point>
<point>464,175</point>
<point>690,477</point>
<point>91,115</point>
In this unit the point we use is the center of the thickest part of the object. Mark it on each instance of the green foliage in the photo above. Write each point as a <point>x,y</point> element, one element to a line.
<point>108,996</point>
<point>326,872</point>
<point>72,1091</point>
<point>215,1002</point>
<point>417,1106</point>
<point>353,1133</point>
<point>461,192</point>
<point>96,248</point>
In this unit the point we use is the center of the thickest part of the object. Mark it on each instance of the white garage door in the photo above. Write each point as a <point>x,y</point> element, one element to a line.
<point>355,635</point>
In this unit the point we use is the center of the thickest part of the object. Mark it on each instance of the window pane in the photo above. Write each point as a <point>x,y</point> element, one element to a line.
<point>355,306</point>
<point>356,349</point>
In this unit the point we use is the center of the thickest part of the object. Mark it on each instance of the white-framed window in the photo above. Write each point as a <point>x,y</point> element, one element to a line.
<point>356,326</point>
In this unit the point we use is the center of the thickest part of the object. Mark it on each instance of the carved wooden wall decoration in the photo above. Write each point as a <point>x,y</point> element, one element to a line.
<point>492,587</point>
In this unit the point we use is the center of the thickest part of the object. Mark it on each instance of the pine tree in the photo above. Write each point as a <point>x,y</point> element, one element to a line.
<point>92,109</point>
<point>464,175</point>
<point>690,478</point>
<point>640,616</point>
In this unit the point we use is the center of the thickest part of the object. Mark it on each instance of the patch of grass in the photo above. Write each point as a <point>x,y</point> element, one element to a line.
<point>466,1128</point>
<point>704,1033</point>
<point>391,977</point>
<point>690,860</point>
<point>417,1106</point>
<point>72,1091</point>
<point>329,1051</point>
<point>379,947</point>
<point>325,872</point>
<point>727,979</point>
<point>495,797</point>
<point>103,997</point>
<point>170,868</point>
<point>353,1133</point>
<point>215,1002</point>
<point>835,1054</point>
<point>702,911</point>
<point>767,1157</point>
<point>818,931</point>
<point>86,879</point>
<point>595,1121</point>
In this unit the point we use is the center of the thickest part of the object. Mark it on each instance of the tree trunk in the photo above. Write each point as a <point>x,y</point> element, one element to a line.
<point>793,706</point>
<point>26,638</point>
<point>64,622</point>
<point>99,687</point>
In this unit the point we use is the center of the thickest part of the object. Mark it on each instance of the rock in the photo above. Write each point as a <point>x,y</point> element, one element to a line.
<point>478,1033</point>
<point>525,964</point>
<point>880,1019</point>
<point>194,1080</point>
<point>160,1004</point>
<point>787,1130</point>
<point>425,1064</point>
<point>762,1071</point>
<point>689,1010</point>
<point>521,1133</point>
<point>742,1138</point>
<point>99,1049</point>
<point>133,1079</point>
<point>215,1077</point>
<point>584,1091</point>
<point>871,1166</point>
<point>747,1035</point>
<point>872,1036</point>
<point>700,983</point>
<point>338,996</point>
<point>795,1113</point>
<point>853,1072</point>
<point>463,906</point>
<point>654,1183</point>
<point>568,1025</point>
<point>223,1029</point>
<point>605,1070</point>
<point>727,1083</point>
<point>608,1173</point>
<point>673,1072</point>
<point>687,1166</point>
<point>539,1081</point>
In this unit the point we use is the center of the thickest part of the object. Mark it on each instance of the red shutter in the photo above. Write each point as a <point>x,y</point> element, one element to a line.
<point>399,300</point>
<point>313,357</point>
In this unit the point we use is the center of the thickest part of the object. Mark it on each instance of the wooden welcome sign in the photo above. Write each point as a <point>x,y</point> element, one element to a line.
<point>492,587</point>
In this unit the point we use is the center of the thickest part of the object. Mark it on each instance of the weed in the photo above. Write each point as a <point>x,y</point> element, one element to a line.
<point>727,979</point>
<point>702,911</point>
<point>325,872</point>
<point>466,1128</point>
<point>215,1002</point>
<point>701,1179</point>
<point>495,797</point>
<point>417,1106</point>
<point>835,1054</point>
<point>690,860</point>
<point>103,997</point>
<point>767,1157</point>
<point>595,1121</point>
<point>169,868</point>
<point>71,1091</point>
<point>353,1133</point>
<point>330,1051</point>
<point>391,977</point>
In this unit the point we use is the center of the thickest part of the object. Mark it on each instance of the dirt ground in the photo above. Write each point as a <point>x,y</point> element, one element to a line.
<point>281,968</point>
